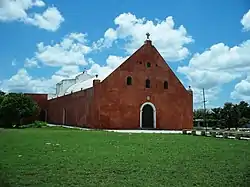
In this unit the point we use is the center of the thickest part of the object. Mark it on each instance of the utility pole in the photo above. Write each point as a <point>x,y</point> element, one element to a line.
<point>204,105</point>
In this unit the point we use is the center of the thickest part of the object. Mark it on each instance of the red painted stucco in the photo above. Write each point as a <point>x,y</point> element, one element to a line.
<point>115,105</point>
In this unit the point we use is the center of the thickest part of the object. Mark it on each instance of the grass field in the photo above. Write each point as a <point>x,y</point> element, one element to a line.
<point>64,157</point>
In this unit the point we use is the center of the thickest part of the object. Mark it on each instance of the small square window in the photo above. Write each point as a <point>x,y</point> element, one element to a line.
<point>148,65</point>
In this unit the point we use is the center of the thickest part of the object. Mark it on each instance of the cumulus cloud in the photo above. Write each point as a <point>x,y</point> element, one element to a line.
<point>112,62</point>
<point>13,10</point>
<point>50,19</point>
<point>70,51</point>
<point>217,66</point>
<point>22,81</point>
<point>169,40</point>
<point>242,90</point>
<point>68,71</point>
<point>245,21</point>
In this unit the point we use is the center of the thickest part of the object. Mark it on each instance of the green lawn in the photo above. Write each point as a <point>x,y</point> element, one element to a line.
<point>96,158</point>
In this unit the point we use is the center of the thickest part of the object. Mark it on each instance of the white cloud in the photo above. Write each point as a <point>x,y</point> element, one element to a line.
<point>23,82</point>
<point>70,51</point>
<point>112,62</point>
<point>68,71</point>
<point>50,19</point>
<point>17,10</point>
<point>210,96</point>
<point>242,90</point>
<point>218,65</point>
<point>245,21</point>
<point>170,41</point>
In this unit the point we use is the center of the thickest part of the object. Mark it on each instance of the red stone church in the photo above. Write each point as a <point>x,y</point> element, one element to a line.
<point>143,92</point>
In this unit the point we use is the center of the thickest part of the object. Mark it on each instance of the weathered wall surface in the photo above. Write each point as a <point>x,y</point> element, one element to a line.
<point>119,104</point>
<point>72,109</point>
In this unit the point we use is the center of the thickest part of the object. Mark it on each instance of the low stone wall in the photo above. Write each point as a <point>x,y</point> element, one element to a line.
<point>239,135</point>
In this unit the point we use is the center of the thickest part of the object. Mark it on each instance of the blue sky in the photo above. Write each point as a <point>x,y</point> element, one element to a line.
<point>206,43</point>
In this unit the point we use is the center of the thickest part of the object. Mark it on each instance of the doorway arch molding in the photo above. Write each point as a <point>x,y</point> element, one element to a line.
<point>154,113</point>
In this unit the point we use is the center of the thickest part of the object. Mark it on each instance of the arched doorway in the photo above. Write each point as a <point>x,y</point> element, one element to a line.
<point>148,116</point>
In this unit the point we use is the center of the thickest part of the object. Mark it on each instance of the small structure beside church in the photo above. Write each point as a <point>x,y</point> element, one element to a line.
<point>143,92</point>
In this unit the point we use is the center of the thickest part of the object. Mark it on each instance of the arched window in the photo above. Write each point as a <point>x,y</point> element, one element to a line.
<point>165,84</point>
<point>129,80</point>
<point>148,65</point>
<point>147,83</point>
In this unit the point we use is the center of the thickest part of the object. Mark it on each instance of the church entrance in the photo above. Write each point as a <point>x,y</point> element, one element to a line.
<point>148,116</point>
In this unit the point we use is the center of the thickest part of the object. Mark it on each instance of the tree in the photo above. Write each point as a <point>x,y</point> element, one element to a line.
<point>199,113</point>
<point>15,107</point>
<point>216,114</point>
<point>243,121</point>
<point>226,114</point>
<point>230,115</point>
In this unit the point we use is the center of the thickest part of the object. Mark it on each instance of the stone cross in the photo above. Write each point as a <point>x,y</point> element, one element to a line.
<point>147,34</point>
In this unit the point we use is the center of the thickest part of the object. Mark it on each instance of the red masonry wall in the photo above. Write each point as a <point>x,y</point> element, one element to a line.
<point>119,104</point>
<point>72,109</point>
<point>113,104</point>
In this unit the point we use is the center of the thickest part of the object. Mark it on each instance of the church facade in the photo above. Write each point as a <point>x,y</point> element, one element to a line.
<point>143,92</point>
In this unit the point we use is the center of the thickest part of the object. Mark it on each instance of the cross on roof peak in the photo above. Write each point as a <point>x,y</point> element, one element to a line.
<point>147,34</point>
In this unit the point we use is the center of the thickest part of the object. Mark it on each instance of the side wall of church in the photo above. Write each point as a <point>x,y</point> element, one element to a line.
<point>119,104</point>
<point>73,109</point>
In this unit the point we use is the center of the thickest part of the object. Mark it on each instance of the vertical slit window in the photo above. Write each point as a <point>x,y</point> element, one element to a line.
<point>165,84</point>
<point>147,83</point>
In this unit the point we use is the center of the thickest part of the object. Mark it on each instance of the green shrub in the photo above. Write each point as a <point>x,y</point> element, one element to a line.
<point>194,132</point>
<point>39,124</point>
<point>203,133</point>
<point>184,131</point>
<point>15,107</point>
